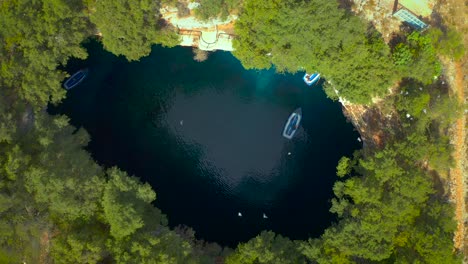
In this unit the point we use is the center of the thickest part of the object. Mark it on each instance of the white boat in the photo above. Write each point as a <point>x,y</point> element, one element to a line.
<point>310,79</point>
<point>292,124</point>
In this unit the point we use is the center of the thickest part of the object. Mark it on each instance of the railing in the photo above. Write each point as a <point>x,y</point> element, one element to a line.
<point>199,34</point>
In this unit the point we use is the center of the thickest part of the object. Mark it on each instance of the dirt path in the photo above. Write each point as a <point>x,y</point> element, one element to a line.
<point>454,13</point>
<point>458,173</point>
<point>45,246</point>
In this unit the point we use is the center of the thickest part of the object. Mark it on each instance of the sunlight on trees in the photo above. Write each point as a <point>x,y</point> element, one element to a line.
<point>213,9</point>
<point>315,36</point>
<point>52,194</point>
<point>130,28</point>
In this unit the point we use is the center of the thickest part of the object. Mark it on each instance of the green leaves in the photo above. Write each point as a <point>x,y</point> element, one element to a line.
<point>35,38</point>
<point>124,203</point>
<point>86,246</point>
<point>213,9</point>
<point>416,58</point>
<point>130,28</point>
<point>391,212</point>
<point>376,207</point>
<point>164,247</point>
<point>448,43</point>
<point>403,55</point>
<point>266,248</point>
<point>52,189</point>
<point>344,167</point>
<point>315,36</point>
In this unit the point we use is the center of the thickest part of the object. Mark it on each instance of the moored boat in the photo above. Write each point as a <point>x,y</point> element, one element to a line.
<point>75,79</point>
<point>310,79</point>
<point>292,124</point>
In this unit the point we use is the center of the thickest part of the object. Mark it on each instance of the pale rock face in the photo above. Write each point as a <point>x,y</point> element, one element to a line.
<point>193,5</point>
<point>193,23</point>
<point>206,35</point>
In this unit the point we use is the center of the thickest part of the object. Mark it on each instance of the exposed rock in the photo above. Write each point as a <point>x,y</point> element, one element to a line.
<point>419,7</point>
<point>199,55</point>
<point>215,34</point>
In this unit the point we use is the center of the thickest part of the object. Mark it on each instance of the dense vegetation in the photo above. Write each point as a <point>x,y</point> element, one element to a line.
<point>57,205</point>
<point>37,37</point>
<point>392,211</point>
<point>131,27</point>
<point>212,9</point>
<point>315,36</point>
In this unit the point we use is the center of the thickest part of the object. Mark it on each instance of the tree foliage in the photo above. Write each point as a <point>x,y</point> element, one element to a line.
<point>448,43</point>
<point>35,38</point>
<point>389,208</point>
<point>52,194</point>
<point>344,167</point>
<point>212,9</point>
<point>266,248</point>
<point>46,178</point>
<point>49,184</point>
<point>416,58</point>
<point>380,212</point>
<point>125,202</point>
<point>315,36</point>
<point>129,28</point>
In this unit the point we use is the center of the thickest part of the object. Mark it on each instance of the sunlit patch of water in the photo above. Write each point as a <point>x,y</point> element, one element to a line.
<point>236,149</point>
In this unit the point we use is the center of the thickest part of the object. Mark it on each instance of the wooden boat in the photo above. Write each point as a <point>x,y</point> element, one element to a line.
<point>310,79</point>
<point>75,79</point>
<point>292,124</point>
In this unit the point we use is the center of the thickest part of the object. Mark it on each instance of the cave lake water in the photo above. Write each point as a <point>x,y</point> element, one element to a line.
<point>207,136</point>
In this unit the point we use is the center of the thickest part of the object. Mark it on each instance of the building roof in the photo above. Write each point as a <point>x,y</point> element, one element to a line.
<point>418,7</point>
<point>410,18</point>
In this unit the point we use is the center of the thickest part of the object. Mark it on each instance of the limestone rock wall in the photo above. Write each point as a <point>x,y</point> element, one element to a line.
<point>210,35</point>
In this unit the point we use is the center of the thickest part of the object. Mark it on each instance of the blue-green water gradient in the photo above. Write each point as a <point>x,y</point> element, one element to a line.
<point>207,137</point>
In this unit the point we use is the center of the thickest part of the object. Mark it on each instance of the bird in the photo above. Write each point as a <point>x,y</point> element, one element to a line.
<point>265,216</point>
<point>239,214</point>
<point>181,122</point>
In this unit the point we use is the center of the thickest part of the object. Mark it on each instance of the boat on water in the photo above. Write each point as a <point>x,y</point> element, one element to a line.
<point>293,123</point>
<point>75,79</point>
<point>310,79</point>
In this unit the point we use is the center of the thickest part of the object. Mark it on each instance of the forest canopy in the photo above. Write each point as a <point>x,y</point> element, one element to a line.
<point>315,36</point>
<point>213,9</point>
<point>35,38</point>
<point>58,205</point>
<point>130,28</point>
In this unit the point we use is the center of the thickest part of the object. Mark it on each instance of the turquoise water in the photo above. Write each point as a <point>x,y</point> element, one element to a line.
<point>207,137</point>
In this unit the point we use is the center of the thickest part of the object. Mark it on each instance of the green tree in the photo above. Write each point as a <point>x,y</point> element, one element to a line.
<point>159,246</point>
<point>266,248</point>
<point>374,208</point>
<point>315,36</point>
<point>125,202</point>
<point>431,238</point>
<point>35,38</point>
<point>130,28</point>
<point>417,58</point>
<point>85,246</point>
<point>209,9</point>
<point>448,43</point>
<point>50,188</point>
<point>70,188</point>
<point>344,167</point>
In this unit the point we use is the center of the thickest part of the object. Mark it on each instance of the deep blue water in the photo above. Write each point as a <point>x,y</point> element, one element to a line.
<point>207,137</point>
